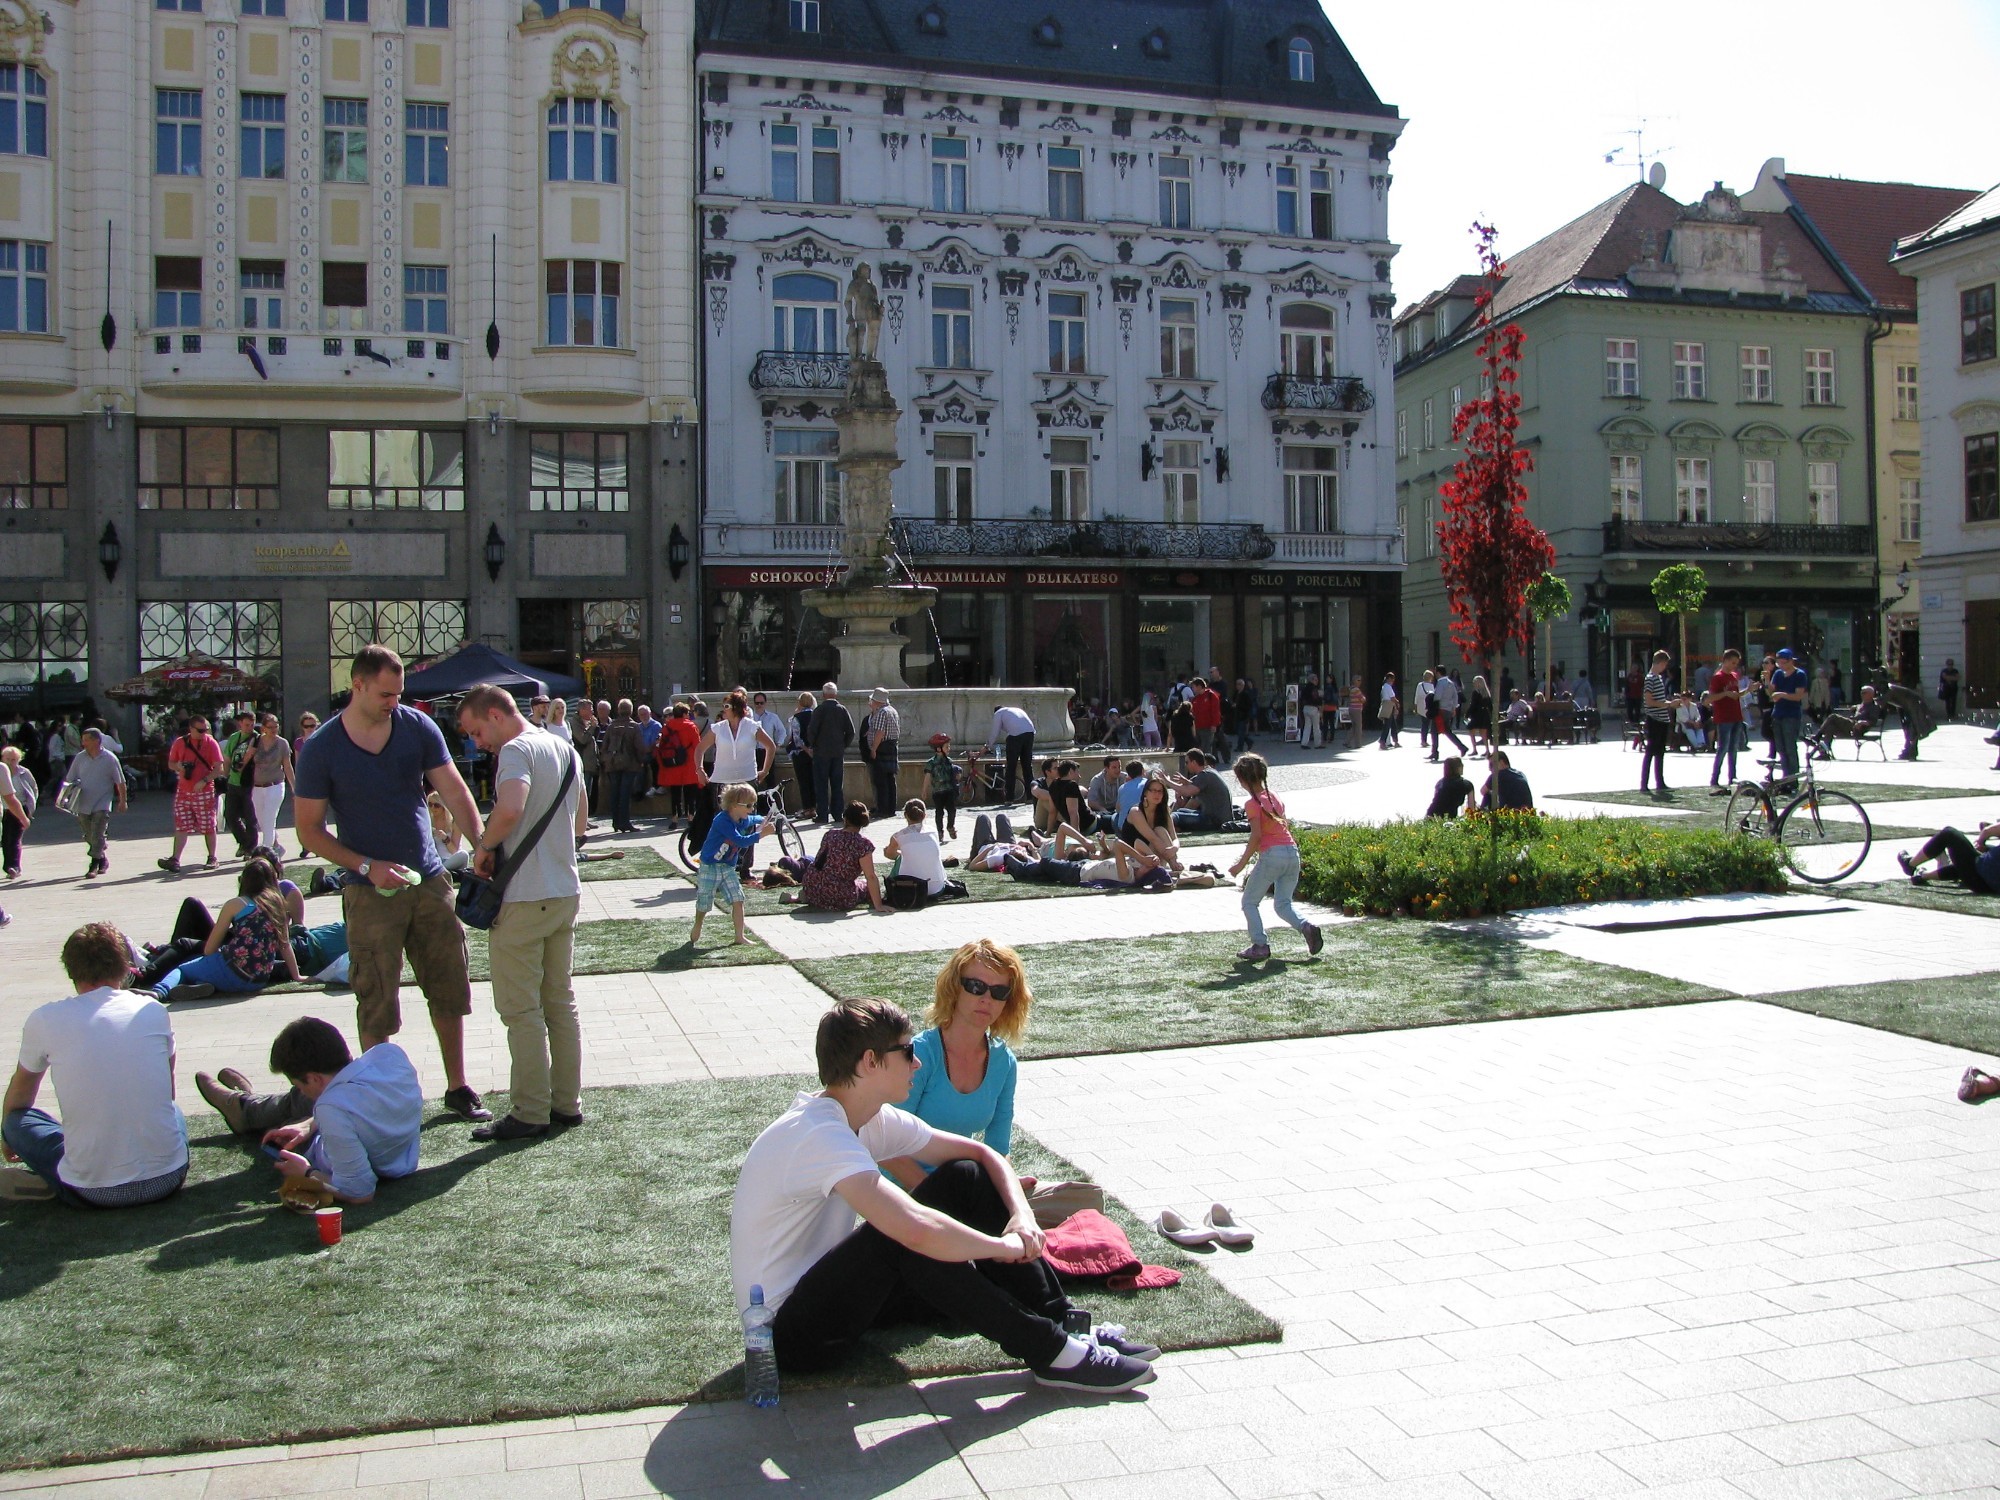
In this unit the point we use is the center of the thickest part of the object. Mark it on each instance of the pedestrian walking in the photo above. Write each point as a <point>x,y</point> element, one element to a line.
<point>1246,712</point>
<point>270,777</point>
<point>529,846</point>
<point>1422,698</point>
<point>195,762</point>
<point>1948,680</point>
<point>743,753</point>
<point>1444,709</point>
<point>18,798</point>
<point>1014,737</point>
<point>369,767</point>
<point>1657,703</point>
<point>827,737</point>
<point>238,813</point>
<point>100,785</point>
<point>1277,854</point>
<point>881,735</point>
<point>1389,713</point>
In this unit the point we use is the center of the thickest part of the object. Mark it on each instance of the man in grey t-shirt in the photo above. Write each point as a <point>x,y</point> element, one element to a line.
<point>529,947</point>
<point>100,782</point>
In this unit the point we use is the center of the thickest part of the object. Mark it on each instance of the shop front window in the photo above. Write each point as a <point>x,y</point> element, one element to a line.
<point>970,639</point>
<point>1073,644</point>
<point>47,644</point>
<point>1765,631</point>
<point>769,639</point>
<point>1173,641</point>
<point>416,629</point>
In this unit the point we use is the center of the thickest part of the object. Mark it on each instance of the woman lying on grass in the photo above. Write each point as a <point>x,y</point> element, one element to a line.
<point>1965,860</point>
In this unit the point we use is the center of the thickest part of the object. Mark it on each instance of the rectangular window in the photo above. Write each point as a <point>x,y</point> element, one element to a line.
<point>24,286</point>
<point>1760,491</point>
<point>177,132</point>
<point>583,302</point>
<point>1690,372</point>
<point>948,169</point>
<point>1823,494</point>
<point>263,7</point>
<point>1457,401</point>
<point>345,151</point>
<point>579,471</point>
<point>825,165</point>
<point>1819,377</point>
<point>34,467</point>
<point>427,13</point>
<point>1430,425</point>
<point>426,299</point>
<point>208,468</point>
<point>426,145</point>
<point>1288,202</point>
<point>808,483</point>
<point>1975,324</point>
<point>1312,489</point>
<point>1909,510</point>
<point>1906,393</point>
<point>1176,192</point>
<point>805,16</point>
<point>1181,468</point>
<point>951,478</point>
<point>1319,201</point>
<point>343,293</point>
<point>176,291</point>
<point>583,141</point>
<point>178,5</point>
<point>1066,183</point>
<point>951,327</point>
<point>1430,526</point>
<point>1402,434</point>
<point>1692,491</point>
<point>347,10</point>
<point>1066,332</point>
<point>1621,367</point>
<point>1069,479</point>
<point>1177,338</point>
<point>1628,496</point>
<point>1756,369</point>
<point>784,163</point>
<point>261,285</point>
<point>24,111</point>
<point>262,133</point>
<point>395,468</point>
<point>1982,477</point>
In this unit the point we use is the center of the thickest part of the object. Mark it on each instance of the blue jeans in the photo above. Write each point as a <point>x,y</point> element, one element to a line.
<point>829,786</point>
<point>1276,874</point>
<point>1785,740</point>
<point>37,1138</point>
<point>1729,739</point>
<point>210,968</point>
<point>1193,820</point>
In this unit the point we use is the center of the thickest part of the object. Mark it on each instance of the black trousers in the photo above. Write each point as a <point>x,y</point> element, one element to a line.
<point>1961,858</point>
<point>882,767</point>
<point>11,830</point>
<point>1659,734</point>
<point>869,1281</point>
<point>238,816</point>
<point>1020,750</point>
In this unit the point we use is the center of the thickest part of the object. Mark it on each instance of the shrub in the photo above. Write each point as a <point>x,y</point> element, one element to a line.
<point>1485,863</point>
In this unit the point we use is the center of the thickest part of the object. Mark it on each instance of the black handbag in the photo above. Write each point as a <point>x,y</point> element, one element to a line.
<point>479,896</point>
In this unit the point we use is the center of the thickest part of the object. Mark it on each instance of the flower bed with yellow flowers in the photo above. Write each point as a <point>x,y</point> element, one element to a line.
<point>1495,862</point>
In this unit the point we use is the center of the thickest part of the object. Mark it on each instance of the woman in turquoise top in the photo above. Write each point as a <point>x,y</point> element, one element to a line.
<point>966,1071</point>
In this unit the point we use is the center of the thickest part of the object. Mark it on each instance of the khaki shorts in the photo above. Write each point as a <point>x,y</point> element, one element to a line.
<point>420,921</point>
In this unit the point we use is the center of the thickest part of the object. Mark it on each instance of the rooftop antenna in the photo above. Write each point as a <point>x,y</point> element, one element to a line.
<point>1649,167</point>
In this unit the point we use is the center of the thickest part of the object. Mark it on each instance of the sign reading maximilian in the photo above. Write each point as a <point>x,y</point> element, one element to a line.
<point>301,554</point>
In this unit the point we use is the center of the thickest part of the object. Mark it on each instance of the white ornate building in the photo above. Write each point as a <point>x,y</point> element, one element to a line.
<point>1134,264</point>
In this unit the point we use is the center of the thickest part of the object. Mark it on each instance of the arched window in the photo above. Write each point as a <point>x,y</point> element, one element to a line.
<point>805,313</point>
<point>583,140</point>
<point>1300,60</point>
<point>24,111</point>
<point>1305,335</point>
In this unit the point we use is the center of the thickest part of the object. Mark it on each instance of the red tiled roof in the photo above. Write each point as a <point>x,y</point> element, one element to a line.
<point>1862,221</point>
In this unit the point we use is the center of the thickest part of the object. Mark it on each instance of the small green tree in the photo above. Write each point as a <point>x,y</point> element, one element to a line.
<point>1678,589</point>
<point>1548,597</point>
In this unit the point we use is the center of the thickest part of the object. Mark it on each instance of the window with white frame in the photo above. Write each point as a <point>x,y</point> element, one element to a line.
<point>347,10</point>
<point>1621,367</point>
<point>1906,393</point>
<point>24,111</point>
<point>1177,338</point>
<point>261,284</point>
<point>1760,491</point>
<point>1430,426</point>
<point>427,13</point>
<point>1305,341</point>
<point>426,299</point>
<point>263,7</point>
<point>1402,434</point>
<point>345,146</point>
<point>1176,192</point>
<point>1693,494</point>
<point>951,477</point>
<point>1430,525</point>
<point>262,135</point>
<point>1180,467</point>
<point>1982,477</point>
<point>805,164</point>
<point>805,313</point>
<point>1823,493</point>
<point>1066,183</point>
<point>1069,479</point>
<point>949,165</point>
<point>583,140</point>
<point>1819,377</point>
<point>343,293</point>
<point>1305,211</point>
<point>579,471</point>
<point>176,291</point>
<point>1690,372</point>
<point>1756,371</point>
<point>1067,346</point>
<point>804,16</point>
<point>583,298</point>
<point>808,492</point>
<point>951,327</point>
<point>24,286</point>
<point>1312,488</point>
<point>427,145</point>
<point>1909,510</point>
<point>1457,401</point>
<point>1976,329</point>
<point>1628,496</point>
<point>34,471</point>
<point>1300,65</point>
<point>176,132</point>
<point>395,468</point>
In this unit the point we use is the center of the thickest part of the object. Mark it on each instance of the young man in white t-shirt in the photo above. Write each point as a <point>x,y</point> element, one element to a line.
<point>966,1243</point>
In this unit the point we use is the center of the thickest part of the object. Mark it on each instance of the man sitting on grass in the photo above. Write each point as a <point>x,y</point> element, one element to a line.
<point>1506,789</point>
<point>1203,796</point>
<point>965,1245</point>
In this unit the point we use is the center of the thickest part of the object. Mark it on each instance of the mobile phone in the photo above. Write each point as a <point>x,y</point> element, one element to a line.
<point>274,1152</point>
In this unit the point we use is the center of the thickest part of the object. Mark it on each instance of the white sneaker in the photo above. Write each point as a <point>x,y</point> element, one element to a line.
<point>1223,1224</point>
<point>19,1185</point>
<point>1173,1227</point>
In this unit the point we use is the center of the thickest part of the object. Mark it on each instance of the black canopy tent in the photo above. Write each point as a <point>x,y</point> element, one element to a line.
<point>471,665</point>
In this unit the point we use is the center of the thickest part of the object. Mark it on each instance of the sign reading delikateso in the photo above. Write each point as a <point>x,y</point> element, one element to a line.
<point>302,554</point>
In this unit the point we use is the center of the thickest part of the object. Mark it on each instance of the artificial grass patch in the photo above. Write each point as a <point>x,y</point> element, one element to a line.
<point>587,1272</point>
<point>638,862</point>
<point>1188,989</point>
<point>1930,896</point>
<point>1957,1011</point>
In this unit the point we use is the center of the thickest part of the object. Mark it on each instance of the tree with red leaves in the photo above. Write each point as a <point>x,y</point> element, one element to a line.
<point>1489,551</point>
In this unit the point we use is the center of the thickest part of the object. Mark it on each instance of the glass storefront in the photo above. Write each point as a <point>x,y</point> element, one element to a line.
<point>1173,638</point>
<point>1304,635</point>
<point>970,641</point>
<point>767,638</point>
<point>1072,644</point>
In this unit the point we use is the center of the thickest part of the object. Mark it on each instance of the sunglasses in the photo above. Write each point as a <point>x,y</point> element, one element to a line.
<point>973,986</point>
<point>908,1049</point>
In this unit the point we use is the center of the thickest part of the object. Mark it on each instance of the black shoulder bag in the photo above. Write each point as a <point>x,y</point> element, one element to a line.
<point>478,895</point>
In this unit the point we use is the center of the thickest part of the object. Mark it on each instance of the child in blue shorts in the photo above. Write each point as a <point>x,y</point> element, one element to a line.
<point>730,830</point>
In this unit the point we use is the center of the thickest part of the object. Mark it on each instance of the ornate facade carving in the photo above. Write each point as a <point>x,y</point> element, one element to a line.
<point>585,65</point>
<point>807,104</point>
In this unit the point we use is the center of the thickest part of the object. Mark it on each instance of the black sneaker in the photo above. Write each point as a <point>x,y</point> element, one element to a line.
<point>464,1101</point>
<point>1315,939</point>
<point>1102,1371</point>
<point>509,1128</point>
<point>195,991</point>
<point>560,1121</point>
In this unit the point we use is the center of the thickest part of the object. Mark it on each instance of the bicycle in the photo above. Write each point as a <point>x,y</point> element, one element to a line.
<point>1823,848</point>
<point>772,805</point>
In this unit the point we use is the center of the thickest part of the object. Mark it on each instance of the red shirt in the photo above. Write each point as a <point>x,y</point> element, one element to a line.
<point>1725,710</point>
<point>1207,707</point>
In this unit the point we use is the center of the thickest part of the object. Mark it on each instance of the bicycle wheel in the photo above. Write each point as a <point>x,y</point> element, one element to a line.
<point>1748,811</point>
<point>1827,835</point>
<point>688,852</point>
<point>790,845</point>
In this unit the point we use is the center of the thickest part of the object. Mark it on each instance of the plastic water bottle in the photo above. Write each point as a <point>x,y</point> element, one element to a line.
<point>760,1360</point>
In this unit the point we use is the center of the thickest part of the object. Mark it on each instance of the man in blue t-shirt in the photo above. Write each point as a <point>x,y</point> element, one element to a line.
<point>1788,710</point>
<point>371,766</point>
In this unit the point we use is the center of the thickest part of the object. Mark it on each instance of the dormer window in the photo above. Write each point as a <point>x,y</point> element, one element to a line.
<point>1048,32</point>
<point>1300,65</point>
<point>930,20</point>
<point>805,17</point>
<point>1156,45</point>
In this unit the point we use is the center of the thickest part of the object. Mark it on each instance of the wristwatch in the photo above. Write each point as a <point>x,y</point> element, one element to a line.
<point>363,868</point>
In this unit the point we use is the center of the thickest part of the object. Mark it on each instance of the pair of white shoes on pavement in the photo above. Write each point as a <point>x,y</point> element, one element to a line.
<point>1217,1227</point>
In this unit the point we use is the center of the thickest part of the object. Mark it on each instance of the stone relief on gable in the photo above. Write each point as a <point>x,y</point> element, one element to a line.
<point>21,33</point>
<point>808,104</point>
<point>585,65</point>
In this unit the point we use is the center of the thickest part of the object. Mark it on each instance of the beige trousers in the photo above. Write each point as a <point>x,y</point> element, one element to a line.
<point>529,951</point>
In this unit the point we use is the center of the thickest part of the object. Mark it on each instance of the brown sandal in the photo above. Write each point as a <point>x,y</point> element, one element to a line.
<point>1976,1087</point>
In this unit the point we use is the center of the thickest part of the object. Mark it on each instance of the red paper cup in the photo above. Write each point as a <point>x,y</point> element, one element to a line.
<point>328,1220</point>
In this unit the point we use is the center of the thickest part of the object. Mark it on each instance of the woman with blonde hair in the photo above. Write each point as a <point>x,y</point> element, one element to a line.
<point>965,1069</point>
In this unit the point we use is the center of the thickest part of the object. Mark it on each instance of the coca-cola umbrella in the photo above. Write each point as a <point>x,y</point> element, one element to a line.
<point>189,678</point>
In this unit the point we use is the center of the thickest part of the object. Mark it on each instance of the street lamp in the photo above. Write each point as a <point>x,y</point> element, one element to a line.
<point>679,554</point>
<point>110,551</point>
<point>496,552</point>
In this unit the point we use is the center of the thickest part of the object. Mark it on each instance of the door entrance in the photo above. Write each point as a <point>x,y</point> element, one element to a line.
<point>1982,653</point>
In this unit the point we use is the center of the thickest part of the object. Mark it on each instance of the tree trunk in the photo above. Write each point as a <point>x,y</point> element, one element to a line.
<point>1684,677</point>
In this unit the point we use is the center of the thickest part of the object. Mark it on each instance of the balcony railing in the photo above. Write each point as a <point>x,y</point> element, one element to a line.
<point>1342,393</point>
<point>1221,541</point>
<point>1738,537</point>
<point>764,539</point>
<point>788,370</point>
<point>1339,547</point>
<point>302,365</point>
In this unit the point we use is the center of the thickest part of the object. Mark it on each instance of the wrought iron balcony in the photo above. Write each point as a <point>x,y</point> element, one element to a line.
<point>1738,538</point>
<point>1341,393</point>
<point>1222,541</point>
<point>790,370</point>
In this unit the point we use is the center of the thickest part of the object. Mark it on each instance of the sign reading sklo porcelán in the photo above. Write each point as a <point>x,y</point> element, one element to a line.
<point>1333,583</point>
